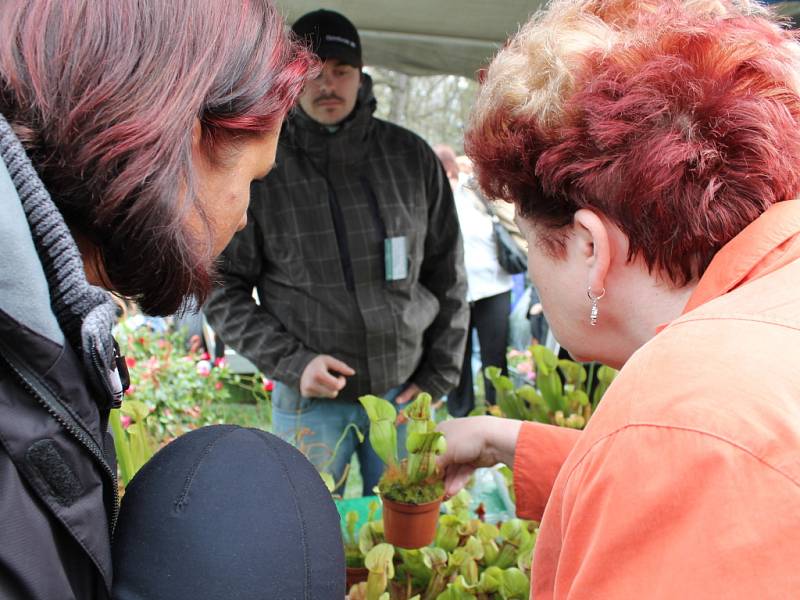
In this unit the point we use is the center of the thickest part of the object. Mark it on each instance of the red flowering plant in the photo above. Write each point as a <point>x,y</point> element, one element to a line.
<point>175,386</point>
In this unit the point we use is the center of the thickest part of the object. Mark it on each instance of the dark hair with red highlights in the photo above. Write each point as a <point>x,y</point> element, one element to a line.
<point>681,131</point>
<point>104,95</point>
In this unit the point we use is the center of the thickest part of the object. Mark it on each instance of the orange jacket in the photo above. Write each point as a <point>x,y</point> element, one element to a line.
<point>686,482</point>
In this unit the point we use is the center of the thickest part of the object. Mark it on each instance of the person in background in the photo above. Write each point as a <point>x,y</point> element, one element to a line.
<point>354,248</point>
<point>488,291</point>
<point>129,134</point>
<point>653,160</point>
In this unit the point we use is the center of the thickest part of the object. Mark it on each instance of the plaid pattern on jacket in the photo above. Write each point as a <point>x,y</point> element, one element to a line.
<point>413,330</point>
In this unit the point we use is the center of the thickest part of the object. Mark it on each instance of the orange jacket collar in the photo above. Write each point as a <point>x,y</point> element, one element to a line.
<point>766,244</point>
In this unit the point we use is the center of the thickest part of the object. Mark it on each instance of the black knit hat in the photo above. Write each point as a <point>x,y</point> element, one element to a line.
<point>331,35</point>
<point>228,512</point>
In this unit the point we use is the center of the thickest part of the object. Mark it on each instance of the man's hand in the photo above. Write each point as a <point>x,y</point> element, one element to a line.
<point>324,377</point>
<point>475,442</point>
<point>408,394</point>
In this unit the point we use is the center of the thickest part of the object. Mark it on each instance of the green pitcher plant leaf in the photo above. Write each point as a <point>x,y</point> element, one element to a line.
<point>463,586</point>
<point>370,535</point>
<point>380,562</point>
<point>422,451</point>
<point>447,537</point>
<point>474,548</point>
<point>515,585</point>
<point>574,373</point>
<point>414,564</point>
<point>420,408</point>
<point>546,361</point>
<point>435,558</point>
<point>351,520</point>
<point>490,581</point>
<point>382,430</point>
<point>454,593</point>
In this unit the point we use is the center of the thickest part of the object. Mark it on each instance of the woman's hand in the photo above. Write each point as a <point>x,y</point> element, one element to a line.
<point>475,442</point>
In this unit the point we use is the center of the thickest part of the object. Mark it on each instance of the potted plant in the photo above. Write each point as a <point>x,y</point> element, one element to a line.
<point>411,488</point>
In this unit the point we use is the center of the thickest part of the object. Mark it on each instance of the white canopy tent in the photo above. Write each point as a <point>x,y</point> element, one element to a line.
<point>426,37</point>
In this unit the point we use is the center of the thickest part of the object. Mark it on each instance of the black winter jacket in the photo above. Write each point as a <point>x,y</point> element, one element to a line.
<point>58,380</point>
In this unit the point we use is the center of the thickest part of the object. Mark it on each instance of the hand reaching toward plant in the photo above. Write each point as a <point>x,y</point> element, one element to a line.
<point>475,442</point>
<point>324,377</point>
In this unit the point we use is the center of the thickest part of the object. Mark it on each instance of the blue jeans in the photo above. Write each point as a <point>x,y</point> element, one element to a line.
<point>315,426</point>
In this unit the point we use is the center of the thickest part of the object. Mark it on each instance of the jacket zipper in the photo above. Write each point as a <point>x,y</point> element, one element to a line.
<point>54,407</point>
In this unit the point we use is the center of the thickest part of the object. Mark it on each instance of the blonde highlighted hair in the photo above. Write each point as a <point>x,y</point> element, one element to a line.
<point>677,119</point>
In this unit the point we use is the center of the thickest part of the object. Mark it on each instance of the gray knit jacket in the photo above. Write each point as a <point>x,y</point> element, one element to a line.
<point>58,381</point>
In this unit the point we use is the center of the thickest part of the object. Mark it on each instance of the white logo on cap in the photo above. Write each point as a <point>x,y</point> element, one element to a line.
<point>341,40</point>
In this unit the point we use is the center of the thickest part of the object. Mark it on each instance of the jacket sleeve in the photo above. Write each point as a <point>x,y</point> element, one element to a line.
<point>442,272</point>
<point>243,324</point>
<point>540,452</point>
<point>659,512</point>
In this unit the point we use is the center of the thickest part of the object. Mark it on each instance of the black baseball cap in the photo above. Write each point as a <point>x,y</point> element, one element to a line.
<point>331,35</point>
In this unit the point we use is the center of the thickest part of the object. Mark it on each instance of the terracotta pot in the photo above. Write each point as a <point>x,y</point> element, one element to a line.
<point>355,575</point>
<point>410,525</point>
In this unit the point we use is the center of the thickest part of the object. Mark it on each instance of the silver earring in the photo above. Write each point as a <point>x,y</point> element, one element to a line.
<point>594,299</point>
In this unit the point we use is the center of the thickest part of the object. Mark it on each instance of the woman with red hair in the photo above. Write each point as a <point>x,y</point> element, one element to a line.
<point>130,132</point>
<point>651,148</point>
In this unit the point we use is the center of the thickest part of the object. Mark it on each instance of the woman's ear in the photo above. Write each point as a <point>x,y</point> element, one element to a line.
<point>595,244</point>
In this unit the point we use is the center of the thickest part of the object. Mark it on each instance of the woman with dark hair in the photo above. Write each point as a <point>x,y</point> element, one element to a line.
<point>651,148</point>
<point>130,132</point>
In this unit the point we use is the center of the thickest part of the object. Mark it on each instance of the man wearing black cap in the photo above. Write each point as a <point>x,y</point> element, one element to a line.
<point>353,245</point>
<point>332,96</point>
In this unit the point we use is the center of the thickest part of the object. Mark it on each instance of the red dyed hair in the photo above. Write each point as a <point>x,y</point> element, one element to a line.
<point>681,130</point>
<point>104,94</point>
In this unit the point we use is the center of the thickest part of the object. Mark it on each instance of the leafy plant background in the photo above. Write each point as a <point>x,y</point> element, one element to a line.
<point>175,387</point>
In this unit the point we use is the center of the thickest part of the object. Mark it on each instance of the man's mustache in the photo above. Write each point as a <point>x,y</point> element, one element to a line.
<point>326,97</point>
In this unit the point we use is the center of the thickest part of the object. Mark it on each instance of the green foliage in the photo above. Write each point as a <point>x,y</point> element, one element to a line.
<point>396,486</point>
<point>468,559</point>
<point>352,552</point>
<point>560,395</point>
<point>176,388</point>
<point>133,441</point>
<point>356,546</point>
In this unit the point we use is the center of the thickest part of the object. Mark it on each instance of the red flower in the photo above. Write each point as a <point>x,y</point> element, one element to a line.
<point>125,420</point>
<point>130,361</point>
<point>268,385</point>
<point>218,385</point>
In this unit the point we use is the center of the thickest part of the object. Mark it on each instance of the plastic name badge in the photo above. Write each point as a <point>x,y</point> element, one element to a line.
<point>395,257</point>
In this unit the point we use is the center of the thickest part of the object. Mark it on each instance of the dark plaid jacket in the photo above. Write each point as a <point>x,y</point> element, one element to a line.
<point>313,249</point>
